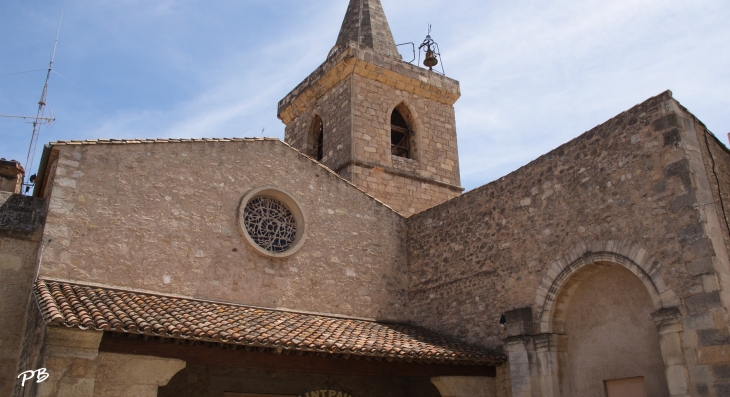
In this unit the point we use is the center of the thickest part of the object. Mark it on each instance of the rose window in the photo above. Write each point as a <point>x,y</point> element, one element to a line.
<point>270,224</point>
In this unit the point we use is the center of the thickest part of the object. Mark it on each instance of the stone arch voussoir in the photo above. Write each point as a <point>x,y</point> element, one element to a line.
<point>628,255</point>
<point>415,122</point>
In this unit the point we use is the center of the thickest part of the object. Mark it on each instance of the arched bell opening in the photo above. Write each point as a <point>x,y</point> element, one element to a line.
<point>610,338</point>
<point>315,139</point>
<point>402,142</point>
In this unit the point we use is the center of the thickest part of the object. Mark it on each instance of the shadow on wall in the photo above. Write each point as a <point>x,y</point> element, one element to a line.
<point>611,333</point>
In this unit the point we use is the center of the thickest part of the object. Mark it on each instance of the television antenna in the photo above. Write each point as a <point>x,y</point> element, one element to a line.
<point>40,118</point>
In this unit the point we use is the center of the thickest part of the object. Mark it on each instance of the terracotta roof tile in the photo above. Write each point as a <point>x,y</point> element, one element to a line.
<point>103,309</point>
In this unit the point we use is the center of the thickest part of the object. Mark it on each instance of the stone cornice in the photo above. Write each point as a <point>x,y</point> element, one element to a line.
<point>387,70</point>
<point>400,173</point>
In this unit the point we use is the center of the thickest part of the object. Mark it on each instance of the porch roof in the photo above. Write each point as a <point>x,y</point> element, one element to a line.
<point>105,309</point>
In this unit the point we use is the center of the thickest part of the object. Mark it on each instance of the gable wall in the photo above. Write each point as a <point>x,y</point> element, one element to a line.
<point>484,253</point>
<point>635,184</point>
<point>163,217</point>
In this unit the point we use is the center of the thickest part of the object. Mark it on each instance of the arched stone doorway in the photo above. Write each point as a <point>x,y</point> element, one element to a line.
<point>595,292</point>
<point>606,316</point>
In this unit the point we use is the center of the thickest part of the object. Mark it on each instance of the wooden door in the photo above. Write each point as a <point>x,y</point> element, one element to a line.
<point>629,387</point>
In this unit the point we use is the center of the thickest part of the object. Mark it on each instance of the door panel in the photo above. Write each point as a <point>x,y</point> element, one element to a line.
<point>630,387</point>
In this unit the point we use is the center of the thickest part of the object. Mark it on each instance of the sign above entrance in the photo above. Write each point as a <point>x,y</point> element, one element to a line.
<point>325,393</point>
<point>328,389</point>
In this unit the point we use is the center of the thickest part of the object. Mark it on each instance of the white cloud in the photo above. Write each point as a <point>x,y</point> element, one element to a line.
<point>533,74</point>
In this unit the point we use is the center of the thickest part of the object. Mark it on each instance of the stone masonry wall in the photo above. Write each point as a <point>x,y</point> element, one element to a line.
<point>631,181</point>
<point>409,185</point>
<point>30,357</point>
<point>334,109</point>
<point>709,343</point>
<point>404,194</point>
<point>435,155</point>
<point>163,217</point>
<point>21,216</point>
<point>717,162</point>
<point>21,222</point>
<point>17,268</point>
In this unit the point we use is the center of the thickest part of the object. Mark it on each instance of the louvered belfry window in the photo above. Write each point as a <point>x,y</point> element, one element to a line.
<point>400,135</point>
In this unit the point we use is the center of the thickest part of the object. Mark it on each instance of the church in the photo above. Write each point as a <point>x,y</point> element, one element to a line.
<point>348,261</point>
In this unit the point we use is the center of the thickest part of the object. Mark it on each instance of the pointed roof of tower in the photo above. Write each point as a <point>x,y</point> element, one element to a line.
<point>365,23</point>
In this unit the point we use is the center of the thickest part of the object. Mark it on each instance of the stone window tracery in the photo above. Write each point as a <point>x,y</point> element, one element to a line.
<point>271,221</point>
<point>270,224</point>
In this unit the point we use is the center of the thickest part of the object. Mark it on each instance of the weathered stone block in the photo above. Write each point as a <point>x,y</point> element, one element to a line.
<point>701,320</point>
<point>690,233</point>
<point>681,170</point>
<point>519,322</point>
<point>714,355</point>
<point>21,216</point>
<point>672,137</point>
<point>700,248</point>
<point>721,389</point>
<point>701,389</point>
<point>721,371</point>
<point>683,201</point>
<point>703,302</point>
<point>665,122</point>
<point>713,337</point>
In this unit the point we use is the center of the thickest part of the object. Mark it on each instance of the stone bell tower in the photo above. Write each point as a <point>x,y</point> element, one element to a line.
<point>384,124</point>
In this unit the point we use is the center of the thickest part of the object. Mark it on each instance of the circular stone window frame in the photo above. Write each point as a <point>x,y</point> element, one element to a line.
<point>290,202</point>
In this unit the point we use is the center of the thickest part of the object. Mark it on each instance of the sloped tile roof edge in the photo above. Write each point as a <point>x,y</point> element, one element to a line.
<point>104,309</point>
<point>183,140</point>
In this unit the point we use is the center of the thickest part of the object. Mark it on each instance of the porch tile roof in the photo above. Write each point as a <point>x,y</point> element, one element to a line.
<point>105,309</point>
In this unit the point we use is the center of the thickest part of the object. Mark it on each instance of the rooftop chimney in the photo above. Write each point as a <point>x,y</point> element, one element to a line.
<point>11,176</point>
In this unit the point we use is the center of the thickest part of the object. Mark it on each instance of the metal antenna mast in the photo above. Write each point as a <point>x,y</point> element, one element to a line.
<point>40,116</point>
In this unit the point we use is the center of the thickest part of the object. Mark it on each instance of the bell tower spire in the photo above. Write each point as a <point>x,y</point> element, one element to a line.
<point>366,26</point>
<point>385,125</point>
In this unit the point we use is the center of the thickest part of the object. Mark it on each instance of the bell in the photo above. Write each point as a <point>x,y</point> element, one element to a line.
<point>430,60</point>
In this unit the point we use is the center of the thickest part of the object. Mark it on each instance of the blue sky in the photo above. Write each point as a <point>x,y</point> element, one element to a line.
<point>534,74</point>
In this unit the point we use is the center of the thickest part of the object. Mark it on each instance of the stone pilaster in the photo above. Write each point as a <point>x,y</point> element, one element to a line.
<point>522,366</point>
<point>550,351</point>
<point>68,357</point>
<point>76,368</point>
<point>669,326</point>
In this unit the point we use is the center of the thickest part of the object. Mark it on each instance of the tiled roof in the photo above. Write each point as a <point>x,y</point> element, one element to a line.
<point>104,309</point>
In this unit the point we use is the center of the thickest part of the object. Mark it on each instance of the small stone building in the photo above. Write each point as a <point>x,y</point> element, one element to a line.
<point>346,261</point>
